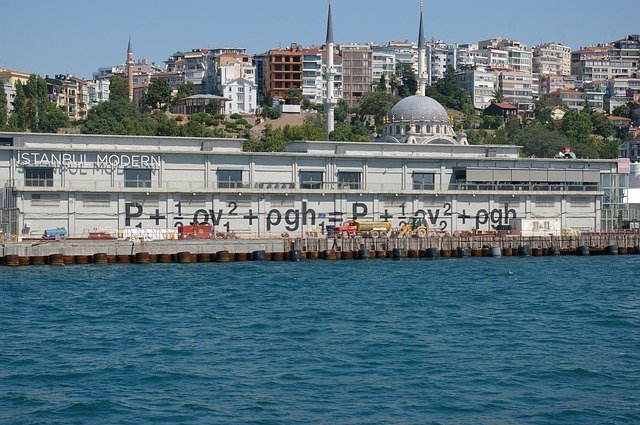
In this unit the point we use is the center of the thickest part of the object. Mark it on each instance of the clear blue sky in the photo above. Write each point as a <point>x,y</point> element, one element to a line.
<point>78,37</point>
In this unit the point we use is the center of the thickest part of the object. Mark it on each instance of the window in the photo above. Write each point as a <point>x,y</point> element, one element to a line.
<point>229,179</point>
<point>349,179</point>
<point>423,181</point>
<point>311,179</point>
<point>137,177</point>
<point>38,176</point>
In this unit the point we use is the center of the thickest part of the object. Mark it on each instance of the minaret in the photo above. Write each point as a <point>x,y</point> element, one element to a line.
<point>130,69</point>
<point>330,103</point>
<point>422,60</point>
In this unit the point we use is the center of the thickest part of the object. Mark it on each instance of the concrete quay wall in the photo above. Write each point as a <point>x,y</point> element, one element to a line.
<point>594,242</point>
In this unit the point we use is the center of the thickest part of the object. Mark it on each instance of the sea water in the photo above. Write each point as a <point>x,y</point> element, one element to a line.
<point>476,340</point>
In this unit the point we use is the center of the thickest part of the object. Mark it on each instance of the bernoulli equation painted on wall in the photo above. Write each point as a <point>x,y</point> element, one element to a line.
<point>232,216</point>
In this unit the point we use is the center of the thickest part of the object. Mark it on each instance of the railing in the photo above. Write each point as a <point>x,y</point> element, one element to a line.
<point>548,187</point>
<point>307,186</point>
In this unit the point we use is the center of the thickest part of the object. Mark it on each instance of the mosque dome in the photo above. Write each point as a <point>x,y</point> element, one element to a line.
<point>418,108</point>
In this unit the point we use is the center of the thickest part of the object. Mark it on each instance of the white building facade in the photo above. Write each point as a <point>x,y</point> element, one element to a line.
<point>88,183</point>
<point>242,95</point>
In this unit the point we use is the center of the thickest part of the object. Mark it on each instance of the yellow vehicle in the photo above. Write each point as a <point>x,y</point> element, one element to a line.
<point>416,226</point>
<point>352,228</point>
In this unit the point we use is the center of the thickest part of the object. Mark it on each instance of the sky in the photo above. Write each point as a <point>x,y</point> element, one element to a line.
<point>78,37</point>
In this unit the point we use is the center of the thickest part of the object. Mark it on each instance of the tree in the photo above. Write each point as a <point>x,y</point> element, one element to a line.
<point>293,96</point>
<point>158,94</point>
<point>377,104</point>
<point>341,112</point>
<point>394,82</point>
<point>602,126</point>
<point>271,112</point>
<point>498,96</point>
<point>576,125</point>
<point>408,84</point>
<point>53,120</point>
<point>38,103</point>
<point>118,88</point>
<point>18,117</point>
<point>185,89</point>
<point>117,117</point>
<point>382,84</point>
<point>3,106</point>
<point>622,111</point>
<point>449,92</point>
<point>540,141</point>
<point>214,106</point>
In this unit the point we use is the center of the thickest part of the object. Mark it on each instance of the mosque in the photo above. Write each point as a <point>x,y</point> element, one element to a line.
<point>135,186</point>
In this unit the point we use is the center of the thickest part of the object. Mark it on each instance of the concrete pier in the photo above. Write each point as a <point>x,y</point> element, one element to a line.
<point>215,250</point>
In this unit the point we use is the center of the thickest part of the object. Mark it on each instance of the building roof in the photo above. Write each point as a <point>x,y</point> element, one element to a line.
<point>505,105</point>
<point>619,119</point>
<point>422,108</point>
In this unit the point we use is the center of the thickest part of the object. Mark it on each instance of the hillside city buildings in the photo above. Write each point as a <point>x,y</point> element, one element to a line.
<point>602,76</point>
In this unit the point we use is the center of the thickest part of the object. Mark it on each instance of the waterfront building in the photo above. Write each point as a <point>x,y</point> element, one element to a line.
<point>87,183</point>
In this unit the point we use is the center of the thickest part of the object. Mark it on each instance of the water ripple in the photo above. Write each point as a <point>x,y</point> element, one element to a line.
<point>504,340</point>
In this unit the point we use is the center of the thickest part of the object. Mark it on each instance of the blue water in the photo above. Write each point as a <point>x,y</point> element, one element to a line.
<point>478,340</point>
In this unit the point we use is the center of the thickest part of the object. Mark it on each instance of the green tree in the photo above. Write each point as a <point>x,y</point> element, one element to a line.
<point>293,96</point>
<point>185,89</point>
<point>449,91</point>
<point>271,112</point>
<point>214,106</point>
<point>498,96</point>
<point>158,94</point>
<point>539,141</point>
<point>38,103</point>
<point>117,117</point>
<point>542,110</point>
<point>18,117</point>
<point>376,104</point>
<point>53,120</point>
<point>118,88</point>
<point>602,126</point>
<point>3,106</point>
<point>408,83</point>
<point>382,84</point>
<point>622,111</point>
<point>394,83</point>
<point>576,125</point>
<point>341,112</point>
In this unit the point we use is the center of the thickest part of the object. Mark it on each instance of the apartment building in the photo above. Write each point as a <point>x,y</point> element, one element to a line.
<point>440,56</point>
<point>314,85</point>
<point>383,63</point>
<point>627,50</point>
<point>550,83</point>
<point>241,95</point>
<point>516,87</point>
<point>481,85</point>
<point>507,53</point>
<point>578,99</point>
<point>282,71</point>
<point>357,72</point>
<point>98,91</point>
<point>620,91</point>
<point>552,59</point>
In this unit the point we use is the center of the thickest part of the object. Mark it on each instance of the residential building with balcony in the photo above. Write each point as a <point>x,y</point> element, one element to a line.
<point>357,72</point>
<point>481,84</point>
<point>516,87</point>
<point>98,91</point>
<point>314,85</point>
<point>552,59</point>
<point>621,91</point>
